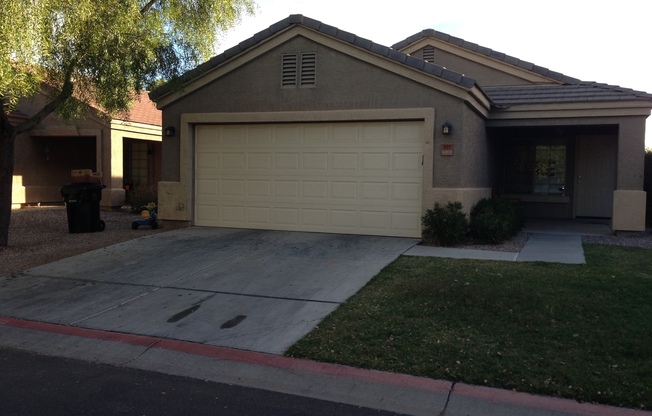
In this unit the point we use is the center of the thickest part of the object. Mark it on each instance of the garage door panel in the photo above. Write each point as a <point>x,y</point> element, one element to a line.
<point>286,188</point>
<point>315,134</point>
<point>344,161</point>
<point>233,161</point>
<point>376,161</point>
<point>359,178</point>
<point>406,162</point>
<point>259,161</point>
<point>376,133</point>
<point>344,190</point>
<point>410,192</point>
<point>407,133</point>
<point>315,161</point>
<point>260,136</point>
<point>257,188</point>
<point>232,187</point>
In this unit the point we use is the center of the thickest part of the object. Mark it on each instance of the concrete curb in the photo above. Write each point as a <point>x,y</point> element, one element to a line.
<point>368,388</point>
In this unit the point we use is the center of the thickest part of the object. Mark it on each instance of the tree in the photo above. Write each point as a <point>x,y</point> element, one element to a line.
<point>96,51</point>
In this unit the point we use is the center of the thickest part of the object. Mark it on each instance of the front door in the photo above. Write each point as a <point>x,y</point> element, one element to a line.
<point>595,176</point>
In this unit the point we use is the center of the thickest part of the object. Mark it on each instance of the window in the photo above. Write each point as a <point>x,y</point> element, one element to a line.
<point>535,168</point>
<point>299,70</point>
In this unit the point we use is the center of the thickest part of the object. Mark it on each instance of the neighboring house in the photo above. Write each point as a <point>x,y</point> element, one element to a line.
<point>307,127</point>
<point>124,151</point>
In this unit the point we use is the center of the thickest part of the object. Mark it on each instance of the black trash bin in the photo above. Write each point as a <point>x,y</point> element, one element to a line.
<point>83,206</point>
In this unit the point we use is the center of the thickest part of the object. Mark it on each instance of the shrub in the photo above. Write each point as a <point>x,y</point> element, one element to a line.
<point>446,225</point>
<point>141,195</point>
<point>495,220</point>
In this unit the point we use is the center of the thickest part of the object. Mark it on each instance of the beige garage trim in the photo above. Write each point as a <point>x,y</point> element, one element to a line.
<point>344,177</point>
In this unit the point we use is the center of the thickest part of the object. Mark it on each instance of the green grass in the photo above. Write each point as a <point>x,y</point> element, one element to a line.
<point>576,331</point>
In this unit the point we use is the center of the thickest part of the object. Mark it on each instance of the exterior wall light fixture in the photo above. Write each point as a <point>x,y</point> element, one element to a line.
<point>446,128</point>
<point>169,131</point>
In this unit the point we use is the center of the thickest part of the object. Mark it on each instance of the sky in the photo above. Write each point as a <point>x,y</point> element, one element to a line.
<point>607,41</point>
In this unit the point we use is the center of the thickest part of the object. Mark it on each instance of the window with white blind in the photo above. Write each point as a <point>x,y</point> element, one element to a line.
<point>299,70</point>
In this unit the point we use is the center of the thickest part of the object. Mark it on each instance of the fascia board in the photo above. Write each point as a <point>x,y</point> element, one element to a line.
<point>572,110</point>
<point>480,59</point>
<point>137,128</point>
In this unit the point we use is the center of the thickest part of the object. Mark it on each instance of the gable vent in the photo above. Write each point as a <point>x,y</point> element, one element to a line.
<point>289,71</point>
<point>308,69</point>
<point>429,54</point>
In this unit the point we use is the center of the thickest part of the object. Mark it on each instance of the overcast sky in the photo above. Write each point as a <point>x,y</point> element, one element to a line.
<point>594,40</point>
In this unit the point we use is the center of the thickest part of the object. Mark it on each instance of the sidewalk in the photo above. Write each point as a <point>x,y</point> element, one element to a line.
<point>551,248</point>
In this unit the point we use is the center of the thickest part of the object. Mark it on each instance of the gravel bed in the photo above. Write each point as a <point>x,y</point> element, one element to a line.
<point>40,235</point>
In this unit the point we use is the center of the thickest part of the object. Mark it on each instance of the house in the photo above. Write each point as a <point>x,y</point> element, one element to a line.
<point>125,151</point>
<point>308,127</point>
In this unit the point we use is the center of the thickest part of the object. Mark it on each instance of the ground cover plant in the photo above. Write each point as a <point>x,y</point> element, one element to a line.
<point>575,331</point>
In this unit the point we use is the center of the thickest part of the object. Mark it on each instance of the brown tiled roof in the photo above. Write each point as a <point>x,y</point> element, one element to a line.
<point>144,111</point>
<point>431,33</point>
<point>328,30</point>
<point>505,96</point>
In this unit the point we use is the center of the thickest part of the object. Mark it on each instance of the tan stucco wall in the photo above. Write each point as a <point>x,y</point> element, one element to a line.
<point>631,153</point>
<point>46,154</point>
<point>347,89</point>
<point>629,211</point>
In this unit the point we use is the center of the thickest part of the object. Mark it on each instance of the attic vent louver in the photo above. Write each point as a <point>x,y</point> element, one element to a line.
<point>429,54</point>
<point>308,69</point>
<point>289,71</point>
<point>299,70</point>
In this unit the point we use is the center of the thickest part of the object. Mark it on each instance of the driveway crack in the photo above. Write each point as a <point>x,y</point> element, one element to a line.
<point>450,393</point>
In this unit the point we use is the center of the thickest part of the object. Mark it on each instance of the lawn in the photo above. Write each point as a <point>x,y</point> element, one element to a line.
<point>576,331</point>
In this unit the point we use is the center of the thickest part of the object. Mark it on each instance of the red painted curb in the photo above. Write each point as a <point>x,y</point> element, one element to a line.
<point>248,357</point>
<point>541,402</point>
<point>335,370</point>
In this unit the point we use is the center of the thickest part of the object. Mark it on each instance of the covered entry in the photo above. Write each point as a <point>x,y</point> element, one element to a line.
<point>558,172</point>
<point>342,177</point>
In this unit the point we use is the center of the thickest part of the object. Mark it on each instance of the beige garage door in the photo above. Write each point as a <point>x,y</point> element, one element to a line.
<point>355,178</point>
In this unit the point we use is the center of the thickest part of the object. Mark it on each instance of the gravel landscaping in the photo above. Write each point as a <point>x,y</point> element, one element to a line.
<point>39,235</point>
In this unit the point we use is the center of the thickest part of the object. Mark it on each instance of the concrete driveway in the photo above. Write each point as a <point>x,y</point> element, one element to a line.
<point>246,289</point>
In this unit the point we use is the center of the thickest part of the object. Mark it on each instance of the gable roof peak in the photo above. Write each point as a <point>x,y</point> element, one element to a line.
<point>482,50</point>
<point>343,36</point>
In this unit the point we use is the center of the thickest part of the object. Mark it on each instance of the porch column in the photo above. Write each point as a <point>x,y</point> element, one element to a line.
<point>114,194</point>
<point>629,197</point>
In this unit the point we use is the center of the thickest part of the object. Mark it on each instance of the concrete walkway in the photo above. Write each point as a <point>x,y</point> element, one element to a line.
<point>551,248</point>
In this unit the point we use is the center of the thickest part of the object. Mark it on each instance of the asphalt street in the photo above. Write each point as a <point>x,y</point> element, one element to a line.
<point>34,385</point>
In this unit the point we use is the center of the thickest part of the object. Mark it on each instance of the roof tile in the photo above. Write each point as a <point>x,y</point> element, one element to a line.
<point>505,96</point>
<point>144,111</point>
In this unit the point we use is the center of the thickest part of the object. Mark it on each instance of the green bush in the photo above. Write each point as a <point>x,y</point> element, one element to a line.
<point>495,220</point>
<point>445,226</point>
<point>141,195</point>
